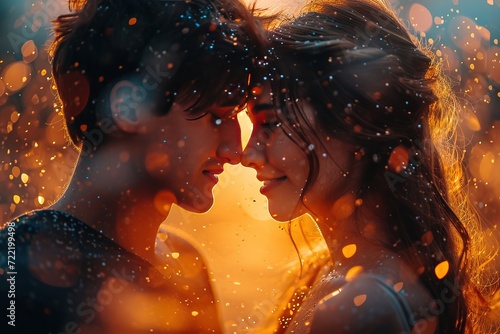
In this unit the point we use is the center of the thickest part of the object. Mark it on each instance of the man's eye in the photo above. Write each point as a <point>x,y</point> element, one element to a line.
<point>216,119</point>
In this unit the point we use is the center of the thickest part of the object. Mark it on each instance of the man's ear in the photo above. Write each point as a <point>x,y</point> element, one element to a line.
<point>129,104</point>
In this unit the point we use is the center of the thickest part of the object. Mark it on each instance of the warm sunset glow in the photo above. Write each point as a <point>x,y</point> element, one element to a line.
<point>250,258</point>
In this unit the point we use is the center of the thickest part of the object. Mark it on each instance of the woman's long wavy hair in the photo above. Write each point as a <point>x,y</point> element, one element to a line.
<point>374,85</point>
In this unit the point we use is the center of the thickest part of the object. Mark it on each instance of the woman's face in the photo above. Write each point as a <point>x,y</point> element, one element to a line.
<point>283,166</point>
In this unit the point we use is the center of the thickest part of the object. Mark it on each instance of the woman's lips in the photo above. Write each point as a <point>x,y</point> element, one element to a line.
<point>271,184</point>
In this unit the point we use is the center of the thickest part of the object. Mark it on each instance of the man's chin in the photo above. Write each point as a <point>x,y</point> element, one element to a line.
<point>198,203</point>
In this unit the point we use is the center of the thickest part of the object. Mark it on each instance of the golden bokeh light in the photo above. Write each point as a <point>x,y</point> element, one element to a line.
<point>420,17</point>
<point>16,76</point>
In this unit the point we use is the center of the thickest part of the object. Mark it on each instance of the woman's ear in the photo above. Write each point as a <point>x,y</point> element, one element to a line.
<point>130,107</point>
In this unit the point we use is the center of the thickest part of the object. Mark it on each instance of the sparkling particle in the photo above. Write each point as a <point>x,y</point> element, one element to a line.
<point>175,255</point>
<point>16,199</point>
<point>132,21</point>
<point>24,178</point>
<point>41,199</point>
<point>194,313</point>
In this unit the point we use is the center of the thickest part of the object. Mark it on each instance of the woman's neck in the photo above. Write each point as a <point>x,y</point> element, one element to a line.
<point>361,237</point>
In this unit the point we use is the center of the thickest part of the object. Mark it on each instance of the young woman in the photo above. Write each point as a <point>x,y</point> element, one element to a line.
<point>149,92</point>
<point>354,124</point>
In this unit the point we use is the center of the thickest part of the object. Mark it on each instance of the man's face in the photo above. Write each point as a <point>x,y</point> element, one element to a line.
<point>183,156</point>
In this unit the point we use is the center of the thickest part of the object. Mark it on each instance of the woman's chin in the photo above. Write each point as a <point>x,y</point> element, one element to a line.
<point>280,214</point>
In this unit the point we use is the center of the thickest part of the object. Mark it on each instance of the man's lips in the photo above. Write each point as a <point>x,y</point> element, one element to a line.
<point>212,174</point>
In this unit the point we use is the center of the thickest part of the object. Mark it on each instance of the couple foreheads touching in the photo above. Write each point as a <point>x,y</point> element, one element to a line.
<point>353,124</point>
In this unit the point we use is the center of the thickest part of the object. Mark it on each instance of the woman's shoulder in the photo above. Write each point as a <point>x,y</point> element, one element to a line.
<point>370,303</point>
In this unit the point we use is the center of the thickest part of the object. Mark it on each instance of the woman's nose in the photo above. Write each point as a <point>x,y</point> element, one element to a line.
<point>253,155</point>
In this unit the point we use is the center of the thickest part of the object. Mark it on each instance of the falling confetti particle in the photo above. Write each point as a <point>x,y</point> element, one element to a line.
<point>359,300</point>
<point>398,286</point>
<point>16,199</point>
<point>349,250</point>
<point>353,273</point>
<point>442,269</point>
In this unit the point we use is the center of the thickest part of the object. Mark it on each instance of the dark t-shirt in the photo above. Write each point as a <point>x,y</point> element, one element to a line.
<point>55,274</point>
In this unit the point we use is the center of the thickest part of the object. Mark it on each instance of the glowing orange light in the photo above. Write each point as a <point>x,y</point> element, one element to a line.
<point>29,51</point>
<point>343,207</point>
<point>398,159</point>
<point>349,250</point>
<point>420,17</point>
<point>163,201</point>
<point>16,76</point>
<point>442,269</point>
<point>427,238</point>
<point>353,273</point>
<point>398,286</point>
<point>359,300</point>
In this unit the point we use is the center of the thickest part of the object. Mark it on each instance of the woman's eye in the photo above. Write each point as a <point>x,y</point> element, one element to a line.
<point>271,125</point>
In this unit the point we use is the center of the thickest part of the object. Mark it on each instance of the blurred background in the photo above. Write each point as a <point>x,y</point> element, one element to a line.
<point>252,260</point>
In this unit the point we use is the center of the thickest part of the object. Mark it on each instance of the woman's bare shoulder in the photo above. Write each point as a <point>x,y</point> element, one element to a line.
<point>371,304</point>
